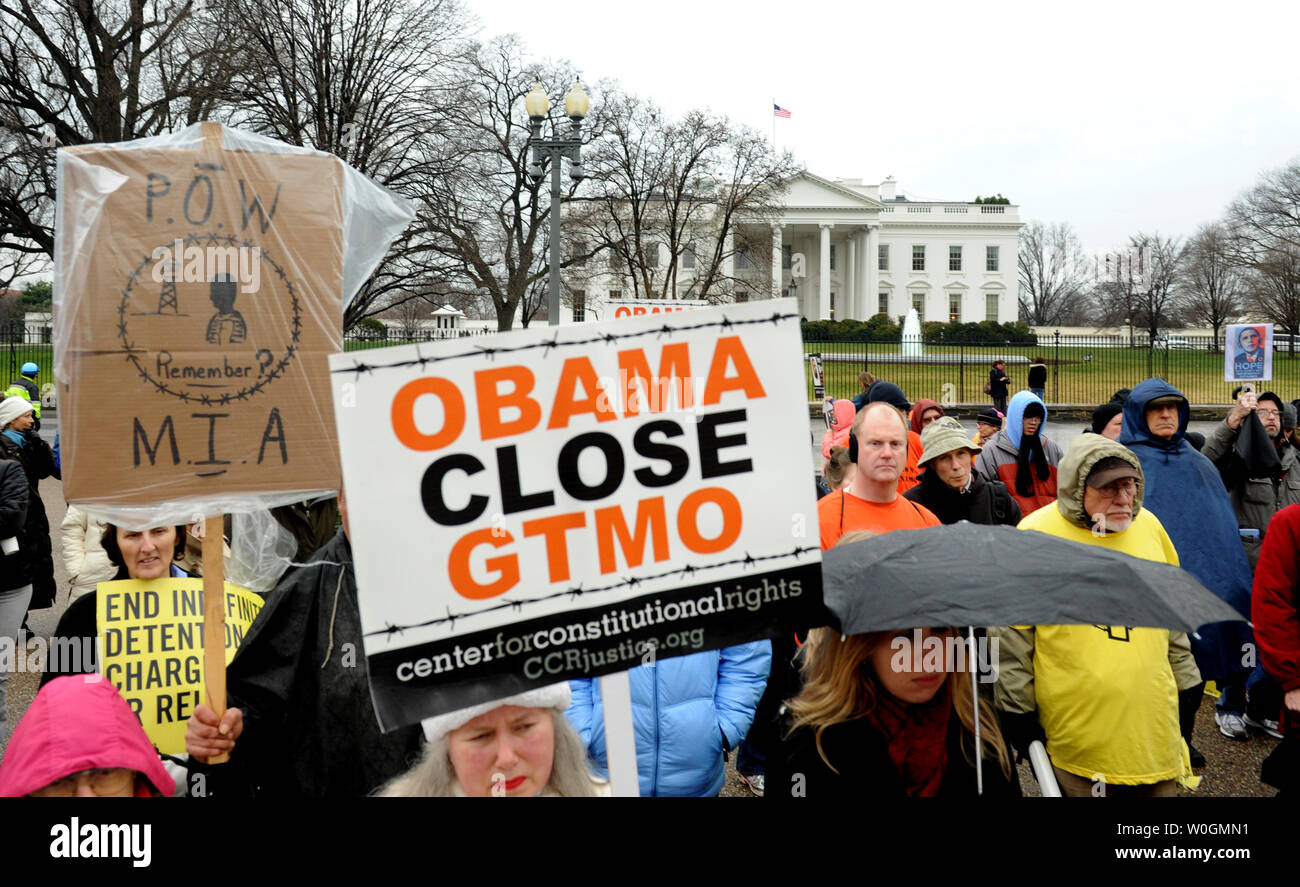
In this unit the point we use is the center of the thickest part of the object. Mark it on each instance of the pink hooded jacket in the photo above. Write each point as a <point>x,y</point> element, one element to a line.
<point>75,724</point>
<point>842,424</point>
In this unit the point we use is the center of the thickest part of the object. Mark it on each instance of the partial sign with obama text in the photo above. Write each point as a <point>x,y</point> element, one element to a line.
<point>558,503</point>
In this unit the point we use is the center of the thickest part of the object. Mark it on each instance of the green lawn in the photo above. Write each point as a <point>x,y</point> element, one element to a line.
<point>1075,375</point>
<point>14,355</point>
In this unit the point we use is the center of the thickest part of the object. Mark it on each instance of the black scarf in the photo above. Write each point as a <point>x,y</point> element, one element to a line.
<point>1031,448</point>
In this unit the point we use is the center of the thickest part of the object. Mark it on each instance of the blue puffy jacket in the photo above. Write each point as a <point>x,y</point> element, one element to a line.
<point>683,709</point>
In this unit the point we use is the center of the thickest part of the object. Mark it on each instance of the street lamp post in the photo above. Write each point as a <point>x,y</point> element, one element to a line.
<point>538,104</point>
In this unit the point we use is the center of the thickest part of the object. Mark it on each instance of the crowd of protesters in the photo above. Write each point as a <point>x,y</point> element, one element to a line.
<point>812,713</point>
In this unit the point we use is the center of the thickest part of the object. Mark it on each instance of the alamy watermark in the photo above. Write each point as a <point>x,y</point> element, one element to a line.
<point>178,262</point>
<point>937,653</point>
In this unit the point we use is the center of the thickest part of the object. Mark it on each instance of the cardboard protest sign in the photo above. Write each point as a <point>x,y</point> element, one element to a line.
<point>200,284</point>
<point>568,502</point>
<point>151,648</point>
<point>1248,352</point>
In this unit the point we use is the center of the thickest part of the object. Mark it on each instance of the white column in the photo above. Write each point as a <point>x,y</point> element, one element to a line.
<point>776,261</point>
<point>852,307</point>
<point>865,301</point>
<point>824,274</point>
<point>873,265</point>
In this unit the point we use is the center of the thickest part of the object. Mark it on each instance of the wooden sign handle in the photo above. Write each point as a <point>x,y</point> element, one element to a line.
<point>214,620</point>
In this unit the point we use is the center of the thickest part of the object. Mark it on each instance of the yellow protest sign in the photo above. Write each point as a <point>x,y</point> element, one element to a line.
<point>151,647</point>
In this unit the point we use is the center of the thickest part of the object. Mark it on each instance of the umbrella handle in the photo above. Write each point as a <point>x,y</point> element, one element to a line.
<point>1043,770</point>
<point>973,667</point>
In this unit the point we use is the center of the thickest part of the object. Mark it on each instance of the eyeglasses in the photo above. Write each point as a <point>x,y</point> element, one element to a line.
<point>1269,412</point>
<point>1114,488</point>
<point>103,782</point>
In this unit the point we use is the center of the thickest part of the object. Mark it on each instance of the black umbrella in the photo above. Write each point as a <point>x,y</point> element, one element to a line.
<point>974,574</point>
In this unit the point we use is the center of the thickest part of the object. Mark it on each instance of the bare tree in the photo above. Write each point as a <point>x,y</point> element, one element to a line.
<point>488,217</point>
<point>84,71</point>
<point>1212,283</point>
<point>1273,282</point>
<point>410,314</point>
<point>1142,284</point>
<point>1054,273</point>
<point>669,195</point>
<point>1264,224</point>
<point>369,82</point>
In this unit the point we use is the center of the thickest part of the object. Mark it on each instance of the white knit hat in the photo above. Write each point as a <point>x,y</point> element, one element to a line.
<point>11,408</point>
<point>552,696</point>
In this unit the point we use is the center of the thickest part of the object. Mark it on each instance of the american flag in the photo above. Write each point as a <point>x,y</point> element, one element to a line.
<point>780,112</point>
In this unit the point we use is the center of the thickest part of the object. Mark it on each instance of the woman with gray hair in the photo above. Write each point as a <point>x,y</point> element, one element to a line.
<point>521,746</point>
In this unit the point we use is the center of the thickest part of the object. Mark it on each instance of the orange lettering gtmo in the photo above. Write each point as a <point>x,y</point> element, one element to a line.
<point>650,521</point>
<point>557,548</point>
<point>491,401</point>
<point>506,566</point>
<point>688,520</point>
<point>403,413</point>
<point>731,350</point>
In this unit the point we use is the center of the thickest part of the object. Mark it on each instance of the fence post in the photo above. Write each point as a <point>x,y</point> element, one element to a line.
<point>1056,370</point>
<point>961,372</point>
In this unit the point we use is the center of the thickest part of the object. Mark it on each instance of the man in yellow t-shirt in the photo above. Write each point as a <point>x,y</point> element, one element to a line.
<point>871,501</point>
<point>1105,697</point>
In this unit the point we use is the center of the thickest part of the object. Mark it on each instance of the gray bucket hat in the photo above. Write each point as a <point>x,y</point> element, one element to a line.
<point>944,435</point>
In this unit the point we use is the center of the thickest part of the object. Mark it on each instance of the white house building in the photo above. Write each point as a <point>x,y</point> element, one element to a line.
<point>849,250</point>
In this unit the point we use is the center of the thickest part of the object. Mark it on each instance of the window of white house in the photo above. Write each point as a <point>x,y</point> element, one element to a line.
<point>688,259</point>
<point>883,263</point>
<point>991,307</point>
<point>742,259</point>
<point>954,309</point>
<point>832,306</point>
<point>652,255</point>
<point>882,306</point>
<point>954,258</point>
<point>787,256</point>
<point>991,260</point>
<point>580,253</point>
<point>918,302</point>
<point>918,257</point>
<point>832,257</point>
<point>579,306</point>
<point>616,294</point>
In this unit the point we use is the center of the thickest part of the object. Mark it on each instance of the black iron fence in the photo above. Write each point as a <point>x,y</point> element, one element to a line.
<point>1081,370</point>
<point>363,338</point>
<point>22,343</point>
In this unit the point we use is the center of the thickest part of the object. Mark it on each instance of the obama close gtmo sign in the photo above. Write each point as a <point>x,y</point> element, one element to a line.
<point>566,502</point>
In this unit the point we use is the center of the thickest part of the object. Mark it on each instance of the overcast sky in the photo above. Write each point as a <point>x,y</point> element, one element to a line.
<point>1115,117</point>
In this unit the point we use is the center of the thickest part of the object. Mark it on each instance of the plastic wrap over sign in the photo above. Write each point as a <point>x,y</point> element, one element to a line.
<point>200,283</point>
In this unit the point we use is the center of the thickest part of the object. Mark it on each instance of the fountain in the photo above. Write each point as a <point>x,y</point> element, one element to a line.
<point>911,341</point>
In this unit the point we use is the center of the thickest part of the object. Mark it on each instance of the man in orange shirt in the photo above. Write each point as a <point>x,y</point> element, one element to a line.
<point>888,392</point>
<point>872,502</point>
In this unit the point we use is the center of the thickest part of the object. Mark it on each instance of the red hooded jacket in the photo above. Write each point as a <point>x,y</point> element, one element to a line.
<point>76,724</point>
<point>1275,604</point>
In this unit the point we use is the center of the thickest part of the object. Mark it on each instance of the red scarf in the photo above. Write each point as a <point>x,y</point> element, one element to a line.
<point>918,739</point>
